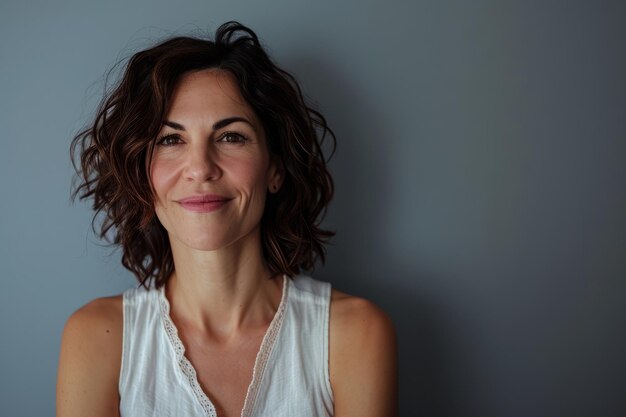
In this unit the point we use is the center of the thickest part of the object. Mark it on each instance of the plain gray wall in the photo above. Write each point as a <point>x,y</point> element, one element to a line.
<point>480,185</point>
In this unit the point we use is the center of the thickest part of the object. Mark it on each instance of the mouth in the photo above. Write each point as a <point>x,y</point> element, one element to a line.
<point>204,203</point>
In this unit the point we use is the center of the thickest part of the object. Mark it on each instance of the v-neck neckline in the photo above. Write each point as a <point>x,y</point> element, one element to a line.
<point>260,361</point>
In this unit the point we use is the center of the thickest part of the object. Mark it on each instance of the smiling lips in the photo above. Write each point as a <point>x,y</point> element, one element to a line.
<point>204,203</point>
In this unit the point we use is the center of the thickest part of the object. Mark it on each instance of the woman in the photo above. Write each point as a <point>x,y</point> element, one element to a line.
<point>209,170</point>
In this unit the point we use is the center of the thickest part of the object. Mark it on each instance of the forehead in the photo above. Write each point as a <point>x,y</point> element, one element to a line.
<point>209,94</point>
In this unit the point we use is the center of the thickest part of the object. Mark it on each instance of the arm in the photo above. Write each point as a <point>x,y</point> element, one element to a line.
<point>90,359</point>
<point>363,359</point>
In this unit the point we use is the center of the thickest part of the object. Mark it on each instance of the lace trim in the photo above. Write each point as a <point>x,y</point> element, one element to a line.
<point>259,363</point>
<point>183,362</point>
<point>263,355</point>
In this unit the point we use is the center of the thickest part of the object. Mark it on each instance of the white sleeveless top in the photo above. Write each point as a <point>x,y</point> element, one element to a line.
<point>290,376</point>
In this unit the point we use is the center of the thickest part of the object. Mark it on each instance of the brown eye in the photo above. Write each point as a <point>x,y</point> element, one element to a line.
<point>169,140</point>
<point>232,137</point>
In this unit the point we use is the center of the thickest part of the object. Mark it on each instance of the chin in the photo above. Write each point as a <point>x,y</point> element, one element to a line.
<point>202,239</point>
<point>205,243</point>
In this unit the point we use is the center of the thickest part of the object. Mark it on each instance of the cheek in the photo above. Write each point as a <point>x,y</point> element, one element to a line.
<point>163,177</point>
<point>251,176</point>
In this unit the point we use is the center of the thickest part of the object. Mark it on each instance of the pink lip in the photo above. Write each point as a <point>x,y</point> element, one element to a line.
<point>204,203</point>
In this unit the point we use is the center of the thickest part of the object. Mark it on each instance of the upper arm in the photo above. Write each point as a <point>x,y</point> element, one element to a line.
<point>363,359</point>
<point>90,360</point>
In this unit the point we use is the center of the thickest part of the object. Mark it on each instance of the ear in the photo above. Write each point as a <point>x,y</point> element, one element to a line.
<point>276,174</point>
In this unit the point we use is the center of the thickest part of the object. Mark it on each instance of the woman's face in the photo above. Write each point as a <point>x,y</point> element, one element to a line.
<point>211,168</point>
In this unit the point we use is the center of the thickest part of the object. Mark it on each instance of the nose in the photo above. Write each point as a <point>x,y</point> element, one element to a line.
<point>202,165</point>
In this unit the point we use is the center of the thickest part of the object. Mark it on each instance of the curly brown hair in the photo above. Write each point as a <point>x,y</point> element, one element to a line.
<point>113,150</point>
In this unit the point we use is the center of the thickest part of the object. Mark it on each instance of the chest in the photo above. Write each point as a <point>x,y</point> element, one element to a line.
<point>291,372</point>
<point>225,372</point>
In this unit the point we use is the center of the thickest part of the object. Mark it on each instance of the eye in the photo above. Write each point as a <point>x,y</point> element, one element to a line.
<point>168,140</point>
<point>232,137</point>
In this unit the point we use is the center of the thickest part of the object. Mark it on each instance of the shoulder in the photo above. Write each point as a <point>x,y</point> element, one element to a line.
<point>99,320</point>
<point>354,319</point>
<point>356,311</point>
<point>363,357</point>
<point>90,358</point>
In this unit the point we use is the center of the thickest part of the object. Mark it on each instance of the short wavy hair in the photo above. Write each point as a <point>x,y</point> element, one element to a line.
<point>110,154</point>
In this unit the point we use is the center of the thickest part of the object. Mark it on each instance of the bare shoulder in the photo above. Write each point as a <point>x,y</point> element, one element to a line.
<point>97,325</point>
<point>90,359</point>
<point>354,311</point>
<point>101,311</point>
<point>354,319</point>
<point>363,358</point>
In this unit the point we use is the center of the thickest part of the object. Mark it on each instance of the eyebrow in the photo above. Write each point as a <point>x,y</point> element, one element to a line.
<point>216,126</point>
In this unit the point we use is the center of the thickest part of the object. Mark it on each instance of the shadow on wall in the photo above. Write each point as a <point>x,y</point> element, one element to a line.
<point>356,263</point>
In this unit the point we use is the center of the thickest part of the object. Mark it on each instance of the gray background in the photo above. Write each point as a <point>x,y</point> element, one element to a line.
<point>480,185</point>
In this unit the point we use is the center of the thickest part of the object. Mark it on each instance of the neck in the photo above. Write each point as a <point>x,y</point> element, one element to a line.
<point>223,292</point>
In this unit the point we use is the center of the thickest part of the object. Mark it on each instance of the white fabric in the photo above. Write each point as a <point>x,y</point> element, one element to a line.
<point>290,376</point>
